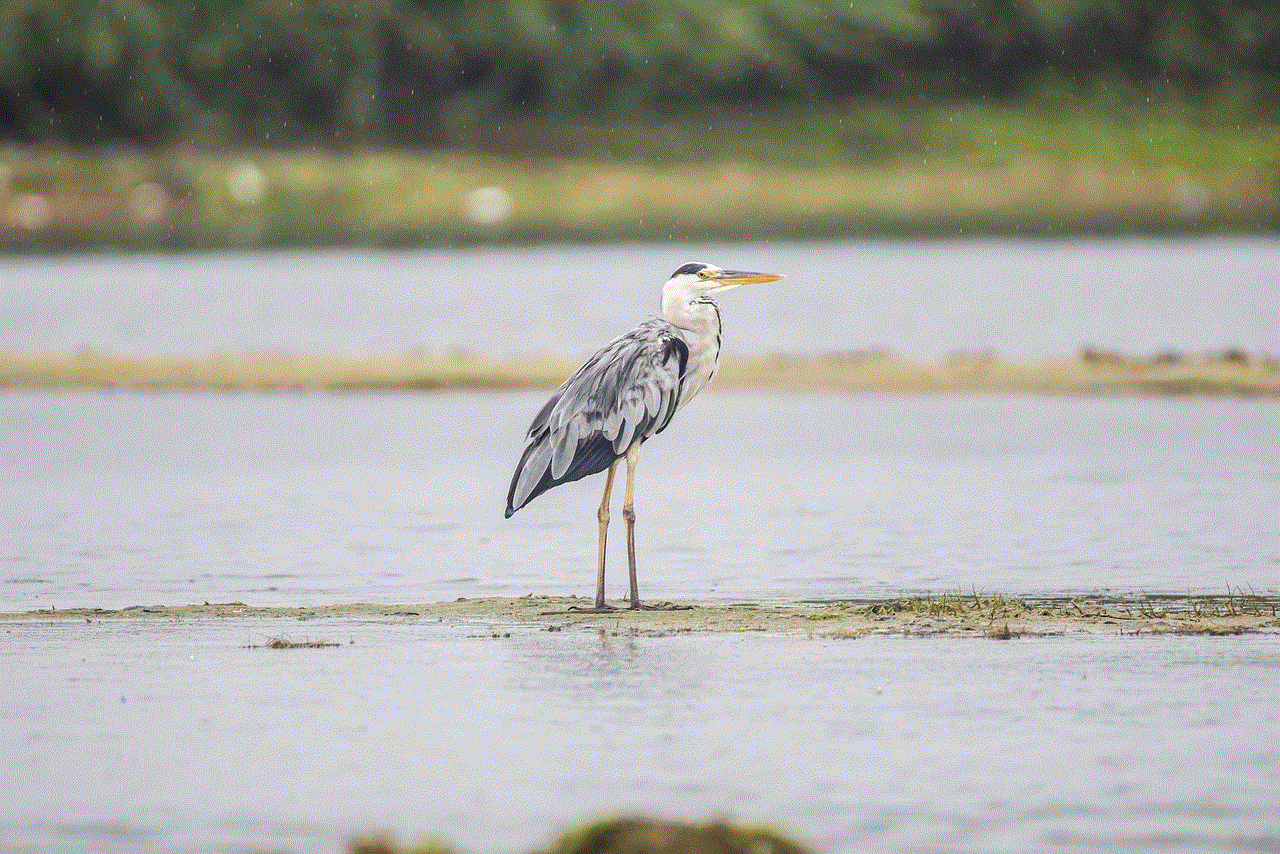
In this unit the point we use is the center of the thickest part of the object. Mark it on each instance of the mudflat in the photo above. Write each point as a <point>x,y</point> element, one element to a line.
<point>959,615</point>
<point>1091,373</point>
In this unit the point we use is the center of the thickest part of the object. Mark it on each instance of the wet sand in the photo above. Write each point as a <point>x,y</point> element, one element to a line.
<point>995,617</point>
<point>1093,372</point>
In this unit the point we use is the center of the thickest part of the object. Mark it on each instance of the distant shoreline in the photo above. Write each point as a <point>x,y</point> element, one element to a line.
<point>1228,373</point>
<point>1220,180</point>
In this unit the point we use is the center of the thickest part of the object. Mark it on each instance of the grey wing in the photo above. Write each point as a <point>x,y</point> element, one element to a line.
<point>627,391</point>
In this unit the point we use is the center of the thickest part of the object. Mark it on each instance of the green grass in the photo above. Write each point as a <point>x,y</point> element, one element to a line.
<point>1106,130</point>
<point>1038,167</point>
<point>993,607</point>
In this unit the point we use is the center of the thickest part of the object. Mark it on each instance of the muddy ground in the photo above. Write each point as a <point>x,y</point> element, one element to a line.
<point>947,615</point>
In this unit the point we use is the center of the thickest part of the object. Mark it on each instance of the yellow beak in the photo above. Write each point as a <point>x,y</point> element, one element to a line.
<point>733,278</point>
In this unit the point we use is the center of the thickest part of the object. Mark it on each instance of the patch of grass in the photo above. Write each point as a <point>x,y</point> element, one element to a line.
<point>1170,614</point>
<point>650,836</point>
<point>950,614</point>
<point>285,643</point>
<point>1056,124</point>
<point>1064,165</point>
<point>1234,603</point>
<point>959,605</point>
<point>624,836</point>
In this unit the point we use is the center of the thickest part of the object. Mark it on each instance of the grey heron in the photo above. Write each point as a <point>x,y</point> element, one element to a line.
<point>625,393</point>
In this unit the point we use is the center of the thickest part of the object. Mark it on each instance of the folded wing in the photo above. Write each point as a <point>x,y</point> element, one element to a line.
<point>625,393</point>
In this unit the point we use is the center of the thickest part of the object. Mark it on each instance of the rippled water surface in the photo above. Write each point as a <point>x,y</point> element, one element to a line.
<point>117,499</point>
<point>1025,299</point>
<point>158,736</point>
<point>151,736</point>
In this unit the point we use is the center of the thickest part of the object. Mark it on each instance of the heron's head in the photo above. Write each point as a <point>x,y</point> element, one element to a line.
<point>699,279</point>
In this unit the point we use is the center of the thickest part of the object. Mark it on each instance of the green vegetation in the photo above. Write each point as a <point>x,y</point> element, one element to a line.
<point>626,836</point>
<point>992,607</point>
<point>649,836</point>
<point>946,169</point>
<point>417,72</point>
<point>946,614</point>
<point>247,123</point>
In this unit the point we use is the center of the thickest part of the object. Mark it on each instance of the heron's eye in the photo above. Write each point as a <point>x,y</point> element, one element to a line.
<point>703,274</point>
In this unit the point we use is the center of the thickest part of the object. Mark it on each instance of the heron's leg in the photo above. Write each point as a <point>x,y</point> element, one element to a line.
<point>603,517</point>
<point>629,515</point>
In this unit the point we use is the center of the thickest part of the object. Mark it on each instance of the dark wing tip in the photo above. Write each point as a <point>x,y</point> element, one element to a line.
<point>510,512</point>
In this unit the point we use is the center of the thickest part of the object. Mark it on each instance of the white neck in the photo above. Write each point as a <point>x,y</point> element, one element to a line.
<point>698,318</point>
<point>690,310</point>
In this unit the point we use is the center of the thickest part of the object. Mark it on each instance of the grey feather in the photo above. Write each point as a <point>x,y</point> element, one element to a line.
<point>626,392</point>
<point>565,444</point>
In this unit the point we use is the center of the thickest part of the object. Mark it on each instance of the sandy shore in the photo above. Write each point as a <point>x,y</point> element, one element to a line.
<point>1091,373</point>
<point>948,615</point>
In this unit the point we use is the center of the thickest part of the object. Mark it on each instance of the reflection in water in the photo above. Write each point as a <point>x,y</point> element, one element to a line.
<point>611,671</point>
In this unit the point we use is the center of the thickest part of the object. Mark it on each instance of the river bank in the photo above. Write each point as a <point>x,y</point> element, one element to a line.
<point>1093,372</point>
<point>954,169</point>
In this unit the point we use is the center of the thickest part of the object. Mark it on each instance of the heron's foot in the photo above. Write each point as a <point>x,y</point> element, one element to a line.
<point>659,606</point>
<point>600,607</point>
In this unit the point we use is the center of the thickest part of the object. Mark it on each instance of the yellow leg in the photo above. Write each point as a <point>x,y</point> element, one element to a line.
<point>603,517</point>
<point>629,514</point>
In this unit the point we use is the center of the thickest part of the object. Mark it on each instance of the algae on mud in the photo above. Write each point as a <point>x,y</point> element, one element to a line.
<point>946,615</point>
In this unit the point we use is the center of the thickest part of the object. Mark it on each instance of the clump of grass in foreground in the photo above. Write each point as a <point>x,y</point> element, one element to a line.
<point>627,836</point>
<point>649,836</point>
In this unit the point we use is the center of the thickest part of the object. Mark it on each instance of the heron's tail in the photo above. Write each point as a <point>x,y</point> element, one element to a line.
<point>533,476</point>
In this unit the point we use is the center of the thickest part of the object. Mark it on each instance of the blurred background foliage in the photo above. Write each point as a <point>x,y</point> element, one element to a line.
<point>422,73</point>
<point>251,122</point>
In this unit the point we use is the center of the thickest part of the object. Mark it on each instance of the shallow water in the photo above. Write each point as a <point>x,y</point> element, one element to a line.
<point>1021,298</point>
<point>116,499</point>
<point>156,736</point>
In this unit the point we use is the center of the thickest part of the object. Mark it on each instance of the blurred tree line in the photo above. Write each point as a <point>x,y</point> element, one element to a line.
<point>406,72</point>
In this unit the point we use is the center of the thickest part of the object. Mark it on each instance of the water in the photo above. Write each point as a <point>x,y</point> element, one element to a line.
<point>152,736</point>
<point>1023,299</point>
<point>160,736</point>
<point>117,499</point>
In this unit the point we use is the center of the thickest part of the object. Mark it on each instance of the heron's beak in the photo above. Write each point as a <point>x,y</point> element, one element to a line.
<point>726,279</point>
